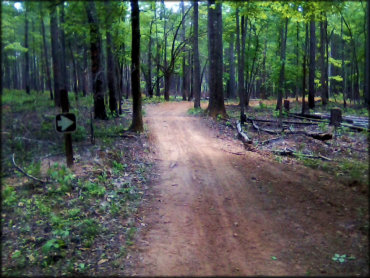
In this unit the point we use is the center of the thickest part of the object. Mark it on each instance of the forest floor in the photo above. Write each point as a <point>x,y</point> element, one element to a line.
<point>186,197</point>
<point>217,208</point>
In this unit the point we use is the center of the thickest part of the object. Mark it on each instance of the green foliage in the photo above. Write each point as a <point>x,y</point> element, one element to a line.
<point>80,134</point>
<point>196,111</point>
<point>9,196</point>
<point>94,189</point>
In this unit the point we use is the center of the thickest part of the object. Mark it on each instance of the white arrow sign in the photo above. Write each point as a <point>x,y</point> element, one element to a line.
<point>64,123</point>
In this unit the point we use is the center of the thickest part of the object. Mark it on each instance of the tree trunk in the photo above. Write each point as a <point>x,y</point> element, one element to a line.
<point>284,32</point>
<point>111,73</point>
<point>232,68</point>
<point>74,71</point>
<point>196,63</point>
<point>312,66</point>
<point>240,67</point>
<point>344,83</point>
<point>184,86</point>
<point>97,75</point>
<point>137,121</point>
<point>27,55</point>
<point>150,86</point>
<point>367,60</point>
<point>55,53</point>
<point>297,64</point>
<point>264,85</point>
<point>216,100</point>
<point>158,57</point>
<point>46,56</point>
<point>304,72</point>
<point>324,70</point>
<point>63,49</point>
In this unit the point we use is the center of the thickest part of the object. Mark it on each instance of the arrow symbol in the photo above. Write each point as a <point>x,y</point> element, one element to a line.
<point>64,123</point>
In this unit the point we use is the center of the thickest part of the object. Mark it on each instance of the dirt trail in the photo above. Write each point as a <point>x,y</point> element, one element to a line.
<point>214,212</point>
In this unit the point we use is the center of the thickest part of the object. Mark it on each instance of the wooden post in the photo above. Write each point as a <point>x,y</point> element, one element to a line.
<point>335,117</point>
<point>286,105</point>
<point>67,137</point>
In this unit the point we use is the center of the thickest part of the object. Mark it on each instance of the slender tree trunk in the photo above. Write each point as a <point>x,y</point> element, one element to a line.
<point>137,121</point>
<point>46,56</point>
<point>324,70</point>
<point>304,72</point>
<point>232,68</point>
<point>312,66</point>
<point>281,89</point>
<point>240,66</point>
<point>158,57</point>
<point>55,52</point>
<point>184,86</point>
<point>297,64</point>
<point>74,71</point>
<point>27,55</point>
<point>196,64</point>
<point>264,85</point>
<point>63,49</point>
<point>150,86</point>
<point>111,73</point>
<point>367,59</point>
<point>344,83</point>
<point>95,50</point>
<point>216,100</point>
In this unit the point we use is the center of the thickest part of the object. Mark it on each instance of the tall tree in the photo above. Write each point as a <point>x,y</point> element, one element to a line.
<point>323,55</point>
<point>184,86</point>
<point>284,33</point>
<point>196,64</point>
<point>367,58</point>
<point>312,66</point>
<point>27,55</point>
<point>216,99</point>
<point>95,52</point>
<point>240,54</point>
<point>111,73</point>
<point>63,48</point>
<point>55,53</point>
<point>137,121</point>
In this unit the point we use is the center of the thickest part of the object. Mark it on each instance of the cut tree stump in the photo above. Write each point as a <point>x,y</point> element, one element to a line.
<point>335,117</point>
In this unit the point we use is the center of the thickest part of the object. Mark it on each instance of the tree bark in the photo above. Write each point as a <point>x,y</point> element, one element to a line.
<point>231,68</point>
<point>150,86</point>
<point>196,64</point>
<point>63,49</point>
<point>240,67</point>
<point>111,73</point>
<point>46,55</point>
<point>284,32</point>
<point>344,83</point>
<point>184,86</point>
<point>324,70</point>
<point>216,100</point>
<point>27,56</point>
<point>367,60</point>
<point>137,121</point>
<point>95,50</point>
<point>304,72</point>
<point>312,66</point>
<point>55,52</point>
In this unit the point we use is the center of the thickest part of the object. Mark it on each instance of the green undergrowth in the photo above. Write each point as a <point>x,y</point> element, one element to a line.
<point>82,221</point>
<point>196,111</point>
<point>52,229</point>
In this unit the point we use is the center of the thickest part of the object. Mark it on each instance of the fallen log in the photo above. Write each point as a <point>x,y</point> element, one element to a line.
<point>264,129</point>
<point>288,151</point>
<point>284,122</point>
<point>244,137</point>
<point>270,140</point>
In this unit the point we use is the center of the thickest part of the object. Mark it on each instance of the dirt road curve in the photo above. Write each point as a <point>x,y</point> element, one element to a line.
<point>217,209</point>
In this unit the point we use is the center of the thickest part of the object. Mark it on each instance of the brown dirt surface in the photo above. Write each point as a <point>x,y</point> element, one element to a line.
<point>217,209</point>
